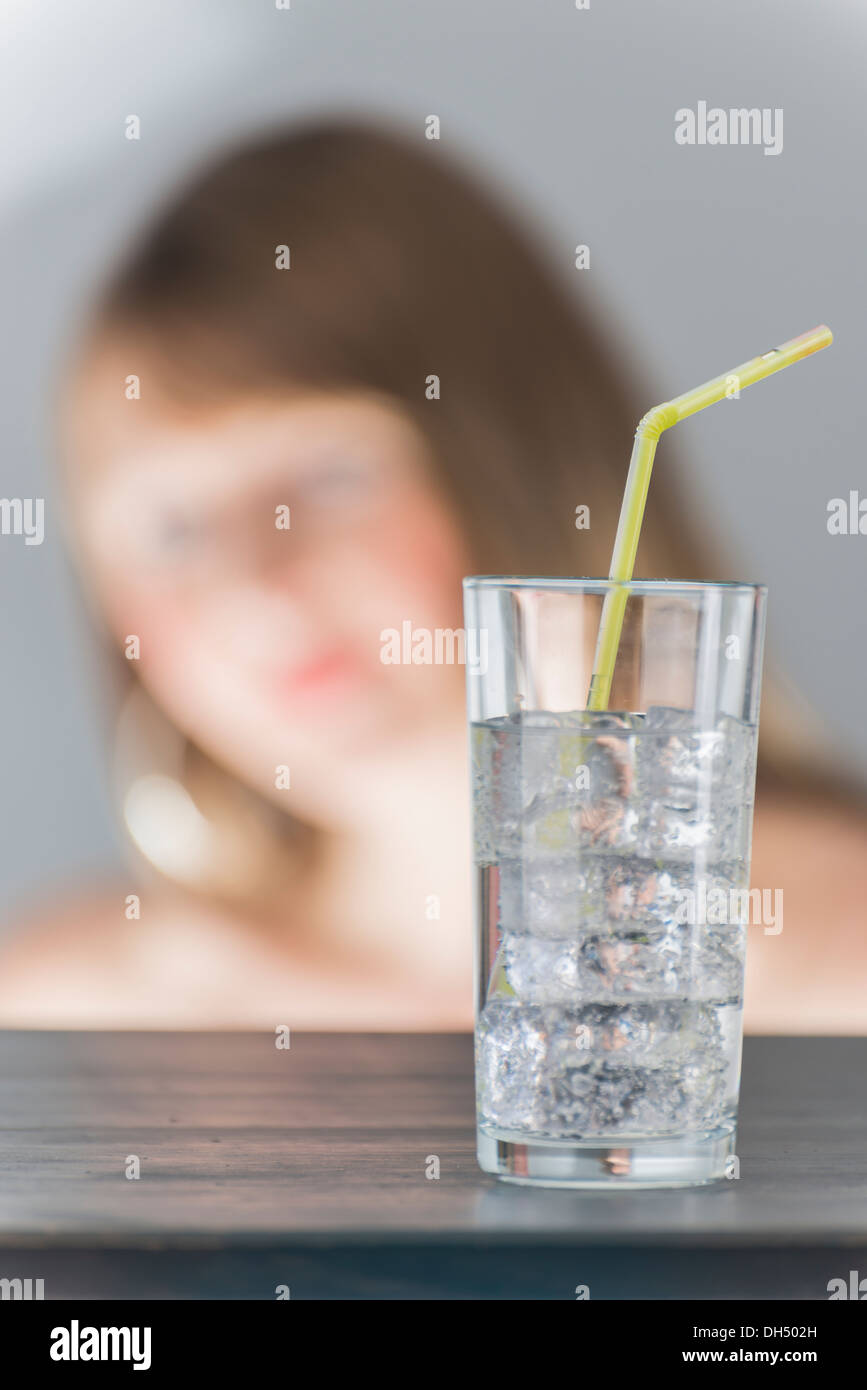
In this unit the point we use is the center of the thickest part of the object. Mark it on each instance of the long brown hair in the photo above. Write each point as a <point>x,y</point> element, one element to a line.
<point>402,268</point>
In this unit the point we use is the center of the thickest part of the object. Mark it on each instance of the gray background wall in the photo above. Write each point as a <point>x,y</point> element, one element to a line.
<point>700,257</point>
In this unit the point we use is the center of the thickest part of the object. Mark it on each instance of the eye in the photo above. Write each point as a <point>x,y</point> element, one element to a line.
<point>336,482</point>
<point>175,535</point>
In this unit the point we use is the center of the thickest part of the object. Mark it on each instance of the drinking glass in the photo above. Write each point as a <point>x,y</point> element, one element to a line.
<point>612,856</point>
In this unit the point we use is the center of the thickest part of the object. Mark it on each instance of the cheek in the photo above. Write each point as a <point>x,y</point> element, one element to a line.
<point>165,629</point>
<point>410,570</point>
<point>416,559</point>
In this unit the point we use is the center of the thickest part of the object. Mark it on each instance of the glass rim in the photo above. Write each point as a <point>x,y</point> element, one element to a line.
<point>591,585</point>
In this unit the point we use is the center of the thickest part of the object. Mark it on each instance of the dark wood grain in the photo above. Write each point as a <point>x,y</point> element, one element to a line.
<point>318,1154</point>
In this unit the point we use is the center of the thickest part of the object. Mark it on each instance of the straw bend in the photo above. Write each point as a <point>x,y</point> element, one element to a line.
<point>660,418</point>
<point>650,427</point>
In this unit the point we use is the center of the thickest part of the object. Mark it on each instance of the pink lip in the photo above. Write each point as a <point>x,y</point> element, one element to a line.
<point>329,670</point>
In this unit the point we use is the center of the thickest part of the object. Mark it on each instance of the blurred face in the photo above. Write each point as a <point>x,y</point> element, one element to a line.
<point>259,553</point>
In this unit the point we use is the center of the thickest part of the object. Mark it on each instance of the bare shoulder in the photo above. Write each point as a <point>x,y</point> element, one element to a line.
<point>807,971</point>
<point>183,964</point>
<point>97,961</point>
<point>56,955</point>
<point>67,927</point>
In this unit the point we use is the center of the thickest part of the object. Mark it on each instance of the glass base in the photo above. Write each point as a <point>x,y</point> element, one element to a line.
<point>684,1160</point>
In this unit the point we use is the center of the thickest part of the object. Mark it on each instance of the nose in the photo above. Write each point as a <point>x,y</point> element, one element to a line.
<point>257,537</point>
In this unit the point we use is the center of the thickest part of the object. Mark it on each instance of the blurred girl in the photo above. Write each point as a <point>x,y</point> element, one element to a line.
<point>333,379</point>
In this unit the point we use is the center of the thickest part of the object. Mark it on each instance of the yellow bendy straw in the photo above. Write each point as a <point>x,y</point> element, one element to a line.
<point>649,429</point>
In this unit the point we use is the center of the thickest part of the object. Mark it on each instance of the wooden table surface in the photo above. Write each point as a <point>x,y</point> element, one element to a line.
<point>309,1167</point>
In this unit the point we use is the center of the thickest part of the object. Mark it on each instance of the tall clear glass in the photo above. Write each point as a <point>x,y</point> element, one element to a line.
<point>612,856</point>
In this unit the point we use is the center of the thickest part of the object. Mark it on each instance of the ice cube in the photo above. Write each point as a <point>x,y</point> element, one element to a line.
<point>694,786</point>
<point>559,895</point>
<point>545,782</point>
<point>601,1070</point>
<point>693,962</point>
